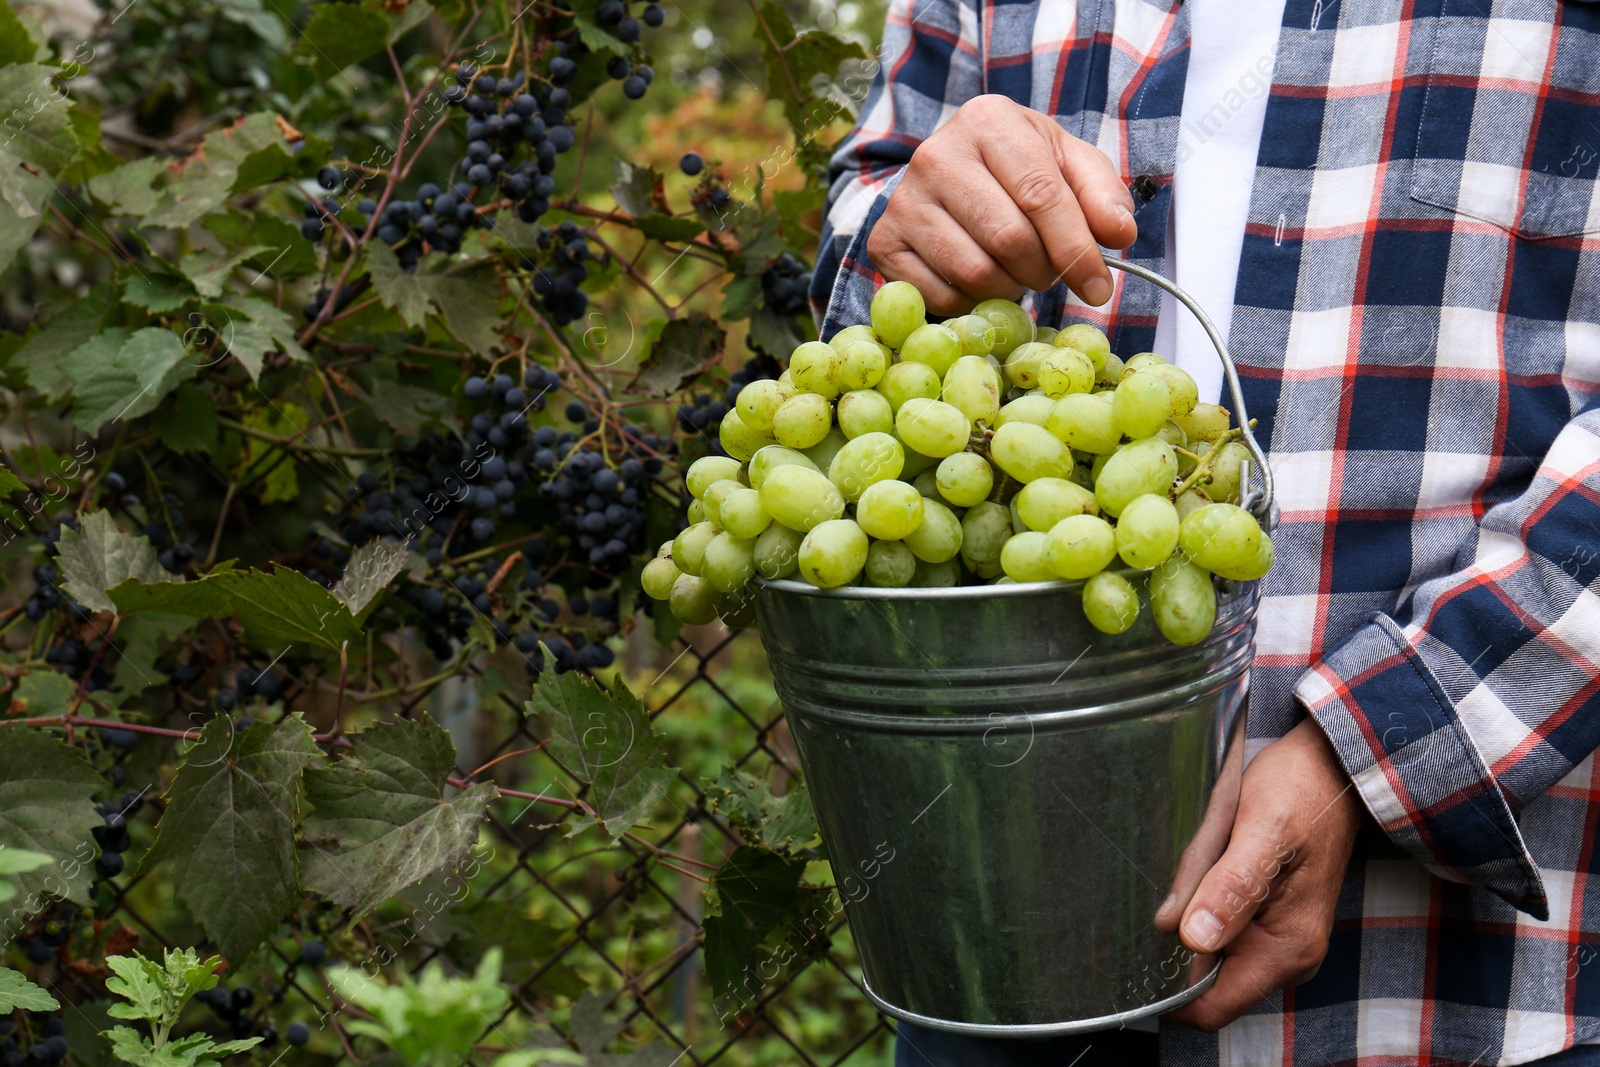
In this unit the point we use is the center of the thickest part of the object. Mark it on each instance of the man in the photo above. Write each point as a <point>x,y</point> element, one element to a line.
<point>1399,239</point>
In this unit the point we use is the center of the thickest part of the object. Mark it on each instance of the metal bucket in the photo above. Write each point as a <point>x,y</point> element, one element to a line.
<point>1008,795</point>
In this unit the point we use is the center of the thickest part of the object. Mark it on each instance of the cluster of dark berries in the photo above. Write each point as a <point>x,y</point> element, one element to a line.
<point>72,657</point>
<point>49,1049</point>
<point>51,934</point>
<point>347,295</point>
<point>600,507</point>
<point>47,592</point>
<point>786,285</point>
<point>112,836</point>
<point>560,272</point>
<point>234,1008</point>
<point>514,132</point>
<point>758,367</point>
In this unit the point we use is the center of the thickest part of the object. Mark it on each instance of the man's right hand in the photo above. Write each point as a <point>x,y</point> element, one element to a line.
<point>998,200</point>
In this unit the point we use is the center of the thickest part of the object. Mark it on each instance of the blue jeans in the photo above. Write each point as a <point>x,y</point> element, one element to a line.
<point>917,1047</point>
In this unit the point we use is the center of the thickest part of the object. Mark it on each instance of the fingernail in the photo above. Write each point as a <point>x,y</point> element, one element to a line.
<point>1202,930</point>
<point>1097,291</point>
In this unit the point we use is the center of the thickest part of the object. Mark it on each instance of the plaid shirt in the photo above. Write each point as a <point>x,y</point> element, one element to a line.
<point>1417,323</point>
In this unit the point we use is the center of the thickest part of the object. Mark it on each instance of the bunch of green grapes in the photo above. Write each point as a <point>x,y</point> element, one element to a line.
<point>980,449</point>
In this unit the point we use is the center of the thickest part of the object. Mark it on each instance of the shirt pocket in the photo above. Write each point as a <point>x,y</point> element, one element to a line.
<point>1510,119</point>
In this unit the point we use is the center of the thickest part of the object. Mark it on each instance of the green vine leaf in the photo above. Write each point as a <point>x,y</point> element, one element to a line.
<point>751,895</point>
<point>127,381</point>
<point>341,34</point>
<point>39,126</point>
<point>229,829</point>
<point>43,693</point>
<point>784,824</point>
<point>797,60</point>
<point>17,992</point>
<point>371,569</point>
<point>381,820</point>
<point>47,793</point>
<point>100,556</point>
<point>605,739</point>
<point>275,609</point>
<point>406,293</point>
<point>206,179</point>
<point>685,348</point>
<point>17,45</point>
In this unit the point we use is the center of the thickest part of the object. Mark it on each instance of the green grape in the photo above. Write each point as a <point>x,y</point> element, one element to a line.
<point>787,381</point>
<point>862,411</point>
<point>985,528</point>
<point>1183,600</point>
<point>1143,361</point>
<point>941,575</point>
<point>1226,479</point>
<point>1022,364</point>
<point>1034,408</point>
<point>1013,325</point>
<point>1024,558</point>
<point>1190,500</point>
<point>1147,531</point>
<point>742,514</point>
<point>1140,405</point>
<point>695,512</point>
<point>932,427</point>
<point>771,457</point>
<point>1110,602</point>
<point>657,578</point>
<point>1172,434</point>
<point>1045,334</point>
<point>861,365</point>
<point>690,600</point>
<point>799,497</point>
<point>1147,466</point>
<point>1065,370</point>
<point>870,458</point>
<point>1112,371</point>
<point>689,547</point>
<point>916,462</point>
<point>738,440</point>
<point>976,332</point>
<point>850,334</point>
<point>1044,502</point>
<point>889,510</point>
<point>707,471</point>
<point>1184,392</point>
<point>823,451</point>
<point>713,500</point>
<point>1206,422</point>
<point>758,403</point>
<point>897,309</point>
<point>905,381</point>
<point>1220,536</point>
<point>1086,422</point>
<point>729,562</point>
<point>1088,340</point>
<point>1027,452</point>
<point>803,420</point>
<point>987,571</point>
<point>973,388</point>
<point>927,483</point>
<point>833,553</point>
<point>938,536</point>
<point>665,551</point>
<point>1256,568</point>
<point>890,565</point>
<point>777,552</point>
<point>1080,545</point>
<point>815,368</point>
<point>934,345</point>
<point>736,609</point>
<point>964,479</point>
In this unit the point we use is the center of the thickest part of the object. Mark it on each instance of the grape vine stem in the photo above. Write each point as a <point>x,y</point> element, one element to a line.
<point>1201,475</point>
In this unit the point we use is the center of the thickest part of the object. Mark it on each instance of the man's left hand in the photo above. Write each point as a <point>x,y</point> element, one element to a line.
<point>1270,899</point>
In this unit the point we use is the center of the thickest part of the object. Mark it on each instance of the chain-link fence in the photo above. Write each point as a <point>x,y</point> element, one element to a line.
<point>572,911</point>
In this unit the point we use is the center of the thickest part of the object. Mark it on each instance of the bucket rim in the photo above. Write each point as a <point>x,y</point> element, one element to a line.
<point>792,587</point>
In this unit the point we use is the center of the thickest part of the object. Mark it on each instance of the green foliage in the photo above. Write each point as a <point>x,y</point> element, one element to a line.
<point>15,990</point>
<point>381,819</point>
<point>431,1019</point>
<point>47,808</point>
<point>100,556</point>
<point>605,740</point>
<point>156,994</point>
<point>231,808</point>
<point>784,824</point>
<point>273,609</point>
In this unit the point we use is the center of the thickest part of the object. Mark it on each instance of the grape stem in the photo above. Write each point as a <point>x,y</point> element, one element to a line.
<point>1204,468</point>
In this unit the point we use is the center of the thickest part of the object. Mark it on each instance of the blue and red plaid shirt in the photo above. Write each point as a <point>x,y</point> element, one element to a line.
<point>1417,323</point>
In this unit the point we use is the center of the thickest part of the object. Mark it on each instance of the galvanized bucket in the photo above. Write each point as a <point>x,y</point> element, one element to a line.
<point>1008,795</point>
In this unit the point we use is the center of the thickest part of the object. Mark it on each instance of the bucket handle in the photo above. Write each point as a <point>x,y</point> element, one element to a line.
<point>1263,504</point>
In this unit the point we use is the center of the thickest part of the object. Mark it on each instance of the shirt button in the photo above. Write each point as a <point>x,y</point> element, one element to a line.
<point>1145,187</point>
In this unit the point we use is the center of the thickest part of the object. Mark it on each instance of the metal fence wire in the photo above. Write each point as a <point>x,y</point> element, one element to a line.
<point>572,911</point>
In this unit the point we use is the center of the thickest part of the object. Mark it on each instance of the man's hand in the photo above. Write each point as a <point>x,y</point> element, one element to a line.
<point>1001,199</point>
<point>1270,898</point>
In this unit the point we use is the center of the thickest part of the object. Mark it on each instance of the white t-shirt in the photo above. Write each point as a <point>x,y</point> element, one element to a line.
<point>1232,48</point>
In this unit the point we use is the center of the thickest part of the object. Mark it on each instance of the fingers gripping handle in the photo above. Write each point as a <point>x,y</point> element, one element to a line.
<point>1261,503</point>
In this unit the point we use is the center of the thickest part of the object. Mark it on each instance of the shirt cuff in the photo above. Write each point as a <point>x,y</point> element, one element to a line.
<point>1415,764</point>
